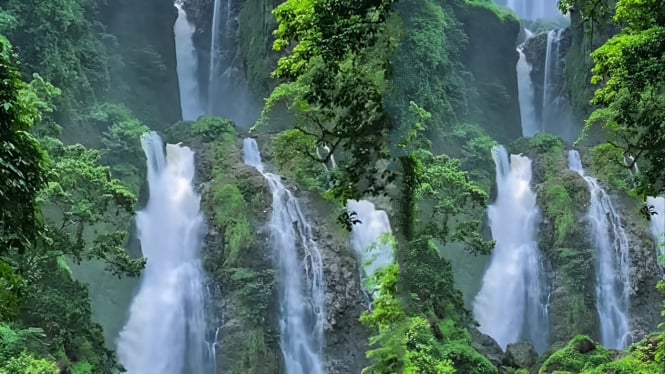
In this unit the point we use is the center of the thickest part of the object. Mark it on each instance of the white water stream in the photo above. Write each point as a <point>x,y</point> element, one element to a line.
<point>366,237</point>
<point>657,224</point>
<point>300,274</point>
<point>612,265</point>
<point>526,93</point>
<point>187,66</point>
<point>511,306</point>
<point>166,329</point>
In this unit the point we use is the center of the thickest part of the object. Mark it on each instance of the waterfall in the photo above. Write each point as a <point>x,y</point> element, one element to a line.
<point>657,224</point>
<point>301,296</point>
<point>372,254</point>
<point>612,265</point>
<point>526,96</point>
<point>215,54</point>
<point>533,9</point>
<point>220,59</point>
<point>166,329</point>
<point>187,66</point>
<point>553,72</point>
<point>511,306</point>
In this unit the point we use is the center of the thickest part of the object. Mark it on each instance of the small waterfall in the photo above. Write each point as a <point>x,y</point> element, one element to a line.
<point>657,224</point>
<point>526,96</point>
<point>187,66</point>
<point>511,305</point>
<point>533,9</point>
<point>612,269</point>
<point>553,67</point>
<point>222,34</point>
<point>301,304</point>
<point>372,254</point>
<point>166,329</point>
<point>215,53</point>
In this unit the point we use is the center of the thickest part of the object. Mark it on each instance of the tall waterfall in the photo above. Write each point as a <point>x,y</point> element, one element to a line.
<point>222,35</point>
<point>657,224</point>
<point>526,96</point>
<point>533,9</point>
<point>187,66</point>
<point>511,305</point>
<point>612,267</point>
<point>300,272</point>
<point>553,66</point>
<point>166,328</point>
<point>366,236</point>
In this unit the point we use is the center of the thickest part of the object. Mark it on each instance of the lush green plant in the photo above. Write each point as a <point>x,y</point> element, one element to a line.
<point>210,128</point>
<point>23,163</point>
<point>632,99</point>
<point>291,149</point>
<point>122,152</point>
<point>26,364</point>
<point>581,353</point>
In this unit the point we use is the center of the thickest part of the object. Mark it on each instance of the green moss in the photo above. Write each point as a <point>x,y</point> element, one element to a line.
<point>640,358</point>
<point>558,206</point>
<point>579,354</point>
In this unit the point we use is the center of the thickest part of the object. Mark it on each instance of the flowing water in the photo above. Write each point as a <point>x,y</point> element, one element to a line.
<point>553,73</point>
<point>511,305</point>
<point>166,329</point>
<point>366,237</point>
<point>300,273</point>
<point>187,66</point>
<point>612,262</point>
<point>530,125</point>
<point>221,41</point>
<point>657,224</point>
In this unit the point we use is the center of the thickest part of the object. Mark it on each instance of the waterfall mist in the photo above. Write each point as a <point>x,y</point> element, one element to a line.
<point>300,271</point>
<point>533,9</point>
<point>166,329</point>
<point>511,305</point>
<point>612,262</point>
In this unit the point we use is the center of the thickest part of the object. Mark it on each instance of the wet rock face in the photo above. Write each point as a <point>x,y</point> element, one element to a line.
<point>486,346</point>
<point>345,338</point>
<point>520,355</point>
<point>144,38</point>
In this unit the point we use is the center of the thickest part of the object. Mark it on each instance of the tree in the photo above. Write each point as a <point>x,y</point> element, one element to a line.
<point>23,163</point>
<point>87,212</point>
<point>632,97</point>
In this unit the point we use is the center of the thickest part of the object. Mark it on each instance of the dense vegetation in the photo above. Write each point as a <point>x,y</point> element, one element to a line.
<point>392,90</point>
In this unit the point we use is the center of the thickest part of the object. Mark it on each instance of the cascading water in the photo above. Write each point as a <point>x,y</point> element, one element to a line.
<point>612,265</point>
<point>366,236</point>
<point>187,66</point>
<point>553,66</point>
<point>526,96</point>
<point>221,38</point>
<point>301,304</point>
<point>511,306</point>
<point>657,223</point>
<point>166,329</point>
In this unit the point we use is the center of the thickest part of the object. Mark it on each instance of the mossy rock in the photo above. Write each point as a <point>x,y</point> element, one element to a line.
<point>579,354</point>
